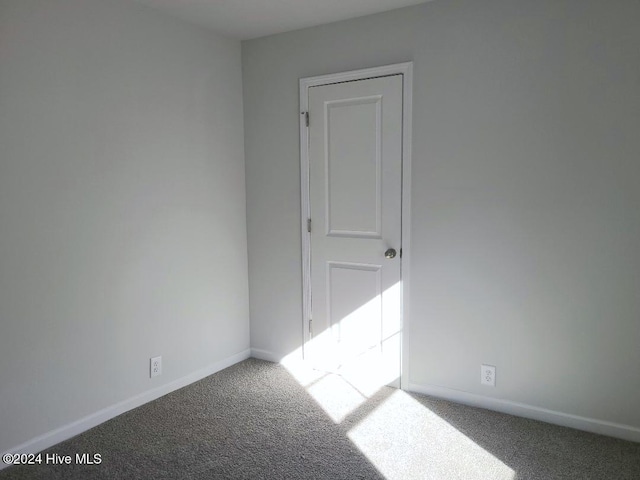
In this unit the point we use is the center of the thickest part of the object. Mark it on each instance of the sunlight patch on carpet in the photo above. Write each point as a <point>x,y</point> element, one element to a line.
<point>405,440</point>
<point>336,397</point>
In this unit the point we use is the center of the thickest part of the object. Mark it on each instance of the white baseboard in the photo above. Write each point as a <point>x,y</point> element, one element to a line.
<point>266,355</point>
<point>72,429</point>
<point>602,427</point>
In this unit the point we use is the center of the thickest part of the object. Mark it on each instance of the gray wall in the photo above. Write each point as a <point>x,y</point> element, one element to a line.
<point>525,195</point>
<point>122,207</point>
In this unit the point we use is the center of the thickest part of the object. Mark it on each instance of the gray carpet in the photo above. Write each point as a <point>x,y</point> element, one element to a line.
<point>255,421</point>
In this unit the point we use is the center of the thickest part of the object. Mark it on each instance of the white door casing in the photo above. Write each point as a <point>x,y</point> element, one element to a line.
<point>354,158</point>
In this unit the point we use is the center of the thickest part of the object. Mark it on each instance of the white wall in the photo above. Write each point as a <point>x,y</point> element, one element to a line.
<point>525,193</point>
<point>122,207</point>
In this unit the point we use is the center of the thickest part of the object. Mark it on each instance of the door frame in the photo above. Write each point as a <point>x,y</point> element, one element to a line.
<point>406,70</point>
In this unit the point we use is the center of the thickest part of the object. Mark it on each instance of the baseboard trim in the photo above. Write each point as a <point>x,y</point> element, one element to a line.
<point>72,429</point>
<point>266,355</point>
<point>602,427</point>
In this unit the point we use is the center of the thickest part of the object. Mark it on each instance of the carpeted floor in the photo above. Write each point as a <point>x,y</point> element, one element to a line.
<point>255,420</point>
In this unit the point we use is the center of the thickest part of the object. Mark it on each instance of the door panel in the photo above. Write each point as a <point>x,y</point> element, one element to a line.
<point>353,165</point>
<point>354,300</point>
<point>355,157</point>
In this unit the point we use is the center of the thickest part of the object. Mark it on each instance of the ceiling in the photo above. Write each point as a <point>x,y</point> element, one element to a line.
<point>245,19</point>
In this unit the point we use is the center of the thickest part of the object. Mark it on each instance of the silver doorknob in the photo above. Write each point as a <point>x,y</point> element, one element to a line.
<point>390,253</point>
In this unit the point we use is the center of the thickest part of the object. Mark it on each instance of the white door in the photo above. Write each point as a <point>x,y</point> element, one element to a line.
<point>355,157</point>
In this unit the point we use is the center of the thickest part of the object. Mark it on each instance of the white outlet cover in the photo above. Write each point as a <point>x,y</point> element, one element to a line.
<point>488,375</point>
<point>155,366</point>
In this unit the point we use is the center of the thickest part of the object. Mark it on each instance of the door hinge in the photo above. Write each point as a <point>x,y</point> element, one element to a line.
<point>309,225</point>
<point>400,253</point>
<point>306,118</point>
<point>310,328</point>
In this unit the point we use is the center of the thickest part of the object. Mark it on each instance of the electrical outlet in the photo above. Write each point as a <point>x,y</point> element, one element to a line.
<point>156,366</point>
<point>488,375</point>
